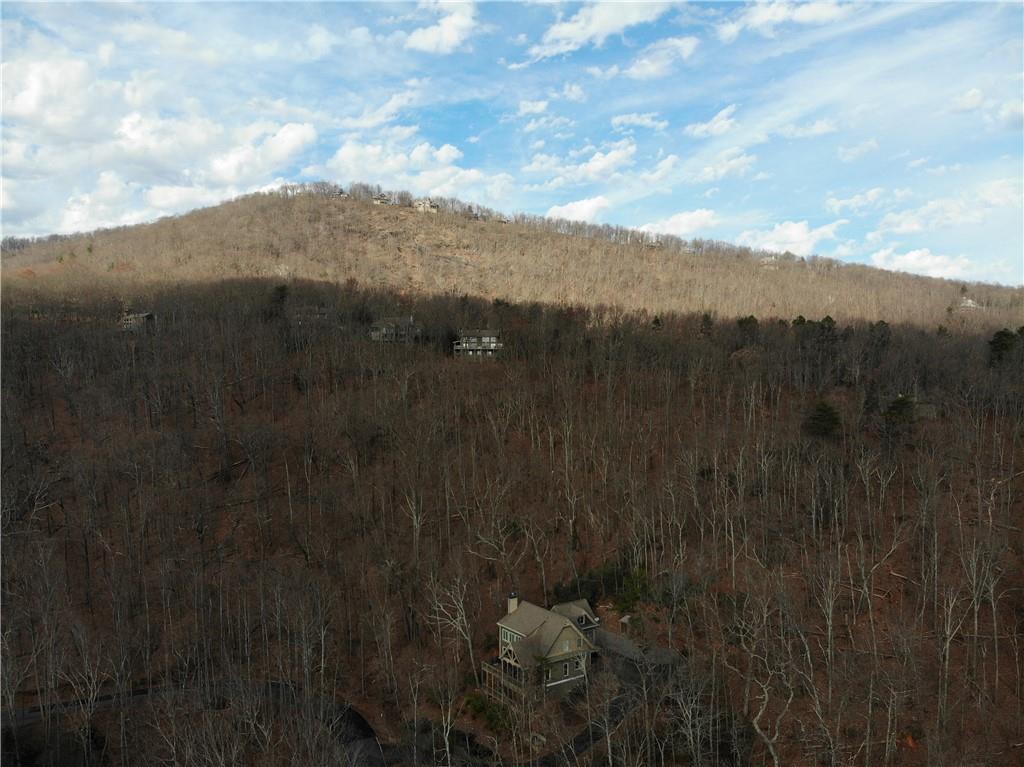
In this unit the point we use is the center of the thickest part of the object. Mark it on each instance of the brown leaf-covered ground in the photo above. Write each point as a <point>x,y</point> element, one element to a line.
<point>825,518</point>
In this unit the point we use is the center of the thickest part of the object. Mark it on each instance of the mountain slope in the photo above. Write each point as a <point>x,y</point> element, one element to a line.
<point>338,239</point>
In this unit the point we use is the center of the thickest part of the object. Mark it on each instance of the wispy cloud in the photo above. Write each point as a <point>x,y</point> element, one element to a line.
<point>592,25</point>
<point>716,126</point>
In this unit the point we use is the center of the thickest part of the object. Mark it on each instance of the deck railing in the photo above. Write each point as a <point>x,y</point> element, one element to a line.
<point>503,687</point>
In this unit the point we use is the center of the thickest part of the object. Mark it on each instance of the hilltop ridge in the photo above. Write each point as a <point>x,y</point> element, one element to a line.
<point>316,234</point>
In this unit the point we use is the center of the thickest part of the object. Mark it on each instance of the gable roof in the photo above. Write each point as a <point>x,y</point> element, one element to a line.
<point>575,610</point>
<point>540,628</point>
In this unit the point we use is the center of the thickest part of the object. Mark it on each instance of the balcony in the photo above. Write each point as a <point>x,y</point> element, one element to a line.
<point>505,684</point>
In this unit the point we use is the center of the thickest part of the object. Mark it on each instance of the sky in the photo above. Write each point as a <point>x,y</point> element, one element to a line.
<point>889,134</point>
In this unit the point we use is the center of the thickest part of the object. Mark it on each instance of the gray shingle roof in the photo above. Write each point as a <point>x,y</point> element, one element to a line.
<point>540,628</point>
<point>573,610</point>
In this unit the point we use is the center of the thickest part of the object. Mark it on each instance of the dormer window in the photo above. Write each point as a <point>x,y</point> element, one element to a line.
<point>581,620</point>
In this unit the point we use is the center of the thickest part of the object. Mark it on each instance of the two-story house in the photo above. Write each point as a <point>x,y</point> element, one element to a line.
<point>396,330</point>
<point>541,652</point>
<point>478,343</point>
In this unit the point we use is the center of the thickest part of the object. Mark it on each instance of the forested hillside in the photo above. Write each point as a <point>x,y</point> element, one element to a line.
<point>311,233</point>
<point>823,516</point>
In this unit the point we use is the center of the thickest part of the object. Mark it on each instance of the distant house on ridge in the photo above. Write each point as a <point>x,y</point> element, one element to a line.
<point>396,330</point>
<point>478,343</point>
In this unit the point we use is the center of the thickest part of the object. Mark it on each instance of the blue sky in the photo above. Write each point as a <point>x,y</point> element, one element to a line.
<point>881,133</point>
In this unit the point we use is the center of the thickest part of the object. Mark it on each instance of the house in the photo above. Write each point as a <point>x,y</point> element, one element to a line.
<point>137,321</point>
<point>968,304</point>
<point>396,330</point>
<point>541,652</point>
<point>382,199</point>
<point>310,315</point>
<point>426,205</point>
<point>478,343</point>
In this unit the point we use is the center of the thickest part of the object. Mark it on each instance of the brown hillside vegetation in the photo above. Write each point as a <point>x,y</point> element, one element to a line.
<point>325,237</point>
<point>823,518</point>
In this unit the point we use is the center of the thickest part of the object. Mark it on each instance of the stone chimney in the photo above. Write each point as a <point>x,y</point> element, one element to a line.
<point>513,602</point>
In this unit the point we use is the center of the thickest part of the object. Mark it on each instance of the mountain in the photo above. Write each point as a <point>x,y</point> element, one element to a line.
<point>324,237</point>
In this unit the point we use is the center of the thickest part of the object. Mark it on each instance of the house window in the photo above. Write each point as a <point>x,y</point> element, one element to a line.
<point>565,669</point>
<point>579,664</point>
<point>565,646</point>
<point>547,675</point>
<point>579,643</point>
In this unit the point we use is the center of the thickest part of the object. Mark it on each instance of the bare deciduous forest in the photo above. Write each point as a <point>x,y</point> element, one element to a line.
<point>309,233</point>
<point>252,534</point>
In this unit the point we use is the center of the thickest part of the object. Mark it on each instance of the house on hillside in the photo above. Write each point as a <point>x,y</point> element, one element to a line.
<point>478,343</point>
<point>311,315</point>
<point>135,322</point>
<point>426,205</point>
<point>541,652</point>
<point>396,330</point>
<point>382,199</point>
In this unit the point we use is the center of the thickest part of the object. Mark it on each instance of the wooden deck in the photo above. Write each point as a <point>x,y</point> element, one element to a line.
<point>504,687</point>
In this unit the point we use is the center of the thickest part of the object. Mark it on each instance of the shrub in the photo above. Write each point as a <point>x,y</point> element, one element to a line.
<point>899,416</point>
<point>823,420</point>
<point>1001,346</point>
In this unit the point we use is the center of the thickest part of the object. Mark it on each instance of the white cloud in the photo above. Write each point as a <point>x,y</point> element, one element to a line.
<point>593,24</point>
<point>108,204</point>
<point>604,74</point>
<point>601,166</point>
<point>971,208</point>
<point>661,170</point>
<point>59,97</point>
<point>942,170</point>
<point>532,107</point>
<point>547,121</point>
<point>573,92</point>
<point>166,40</point>
<point>795,236</point>
<point>105,53</point>
<point>683,224</point>
<point>163,142</point>
<point>456,25</point>
<point>170,198</point>
<point>968,101</point>
<point>921,261</point>
<point>731,162</point>
<point>763,17</point>
<point>581,210</point>
<point>249,161</point>
<point>659,59</point>
<point>645,120</point>
<point>386,112</point>
<point>716,126</point>
<point>1011,115</point>
<point>422,169</point>
<point>810,130</point>
<point>857,203</point>
<point>851,153</point>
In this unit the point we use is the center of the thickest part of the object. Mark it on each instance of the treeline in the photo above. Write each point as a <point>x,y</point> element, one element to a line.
<point>823,517</point>
<point>310,231</point>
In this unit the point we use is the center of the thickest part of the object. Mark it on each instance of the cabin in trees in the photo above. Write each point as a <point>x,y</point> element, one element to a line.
<point>135,322</point>
<point>541,652</point>
<point>383,199</point>
<point>391,330</point>
<point>478,343</point>
<point>426,205</point>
